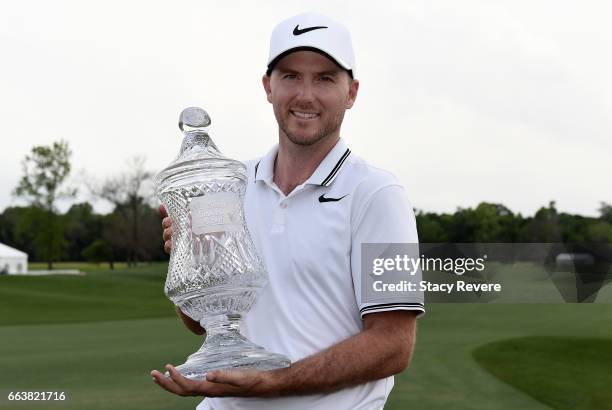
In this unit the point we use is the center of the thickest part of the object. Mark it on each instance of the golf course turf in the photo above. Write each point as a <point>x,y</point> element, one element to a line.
<point>98,335</point>
<point>564,373</point>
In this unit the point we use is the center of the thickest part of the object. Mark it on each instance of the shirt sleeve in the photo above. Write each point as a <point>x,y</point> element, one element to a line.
<point>385,217</point>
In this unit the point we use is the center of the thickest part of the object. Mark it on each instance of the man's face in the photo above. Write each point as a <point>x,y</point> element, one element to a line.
<point>309,93</point>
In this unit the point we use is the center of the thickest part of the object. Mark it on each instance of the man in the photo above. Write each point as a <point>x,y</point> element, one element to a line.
<point>310,204</point>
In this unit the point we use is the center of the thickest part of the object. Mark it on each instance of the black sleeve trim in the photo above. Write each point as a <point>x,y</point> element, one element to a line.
<point>391,306</point>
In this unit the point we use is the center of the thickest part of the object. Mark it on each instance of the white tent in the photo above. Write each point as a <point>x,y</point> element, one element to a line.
<point>12,260</point>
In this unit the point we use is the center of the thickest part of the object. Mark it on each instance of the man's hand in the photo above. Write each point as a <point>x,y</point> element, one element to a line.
<point>167,227</point>
<point>220,383</point>
<point>382,349</point>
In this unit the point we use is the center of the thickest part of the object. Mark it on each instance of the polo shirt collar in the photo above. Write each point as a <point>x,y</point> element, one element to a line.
<point>327,170</point>
<point>325,173</point>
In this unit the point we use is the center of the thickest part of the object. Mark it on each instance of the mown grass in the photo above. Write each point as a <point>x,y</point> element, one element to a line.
<point>98,335</point>
<point>564,373</point>
<point>99,295</point>
<point>444,375</point>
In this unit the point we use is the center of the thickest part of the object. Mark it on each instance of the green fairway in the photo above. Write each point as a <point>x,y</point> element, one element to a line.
<point>565,373</point>
<point>100,365</point>
<point>100,295</point>
<point>97,336</point>
<point>444,374</point>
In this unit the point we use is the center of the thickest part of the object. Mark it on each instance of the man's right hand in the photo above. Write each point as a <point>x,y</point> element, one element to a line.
<point>167,227</point>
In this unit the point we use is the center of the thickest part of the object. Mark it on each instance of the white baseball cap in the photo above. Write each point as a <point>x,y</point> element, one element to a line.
<point>316,32</point>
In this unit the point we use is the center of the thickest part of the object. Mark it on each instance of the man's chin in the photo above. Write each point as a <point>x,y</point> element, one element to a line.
<point>304,140</point>
<point>306,137</point>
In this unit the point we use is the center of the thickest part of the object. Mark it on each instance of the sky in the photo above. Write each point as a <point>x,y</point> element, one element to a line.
<point>499,101</point>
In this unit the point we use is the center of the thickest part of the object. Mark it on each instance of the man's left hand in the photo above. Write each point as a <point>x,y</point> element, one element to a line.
<point>219,383</point>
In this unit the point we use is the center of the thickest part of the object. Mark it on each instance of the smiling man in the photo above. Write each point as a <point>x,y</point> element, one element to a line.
<point>309,205</point>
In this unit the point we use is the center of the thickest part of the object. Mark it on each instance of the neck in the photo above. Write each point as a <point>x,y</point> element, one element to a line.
<point>296,163</point>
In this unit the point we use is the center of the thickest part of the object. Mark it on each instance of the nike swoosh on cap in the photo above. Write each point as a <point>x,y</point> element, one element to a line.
<point>297,31</point>
<point>323,199</point>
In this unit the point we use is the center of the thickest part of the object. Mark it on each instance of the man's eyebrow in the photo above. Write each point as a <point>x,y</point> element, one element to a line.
<point>333,73</point>
<point>286,70</point>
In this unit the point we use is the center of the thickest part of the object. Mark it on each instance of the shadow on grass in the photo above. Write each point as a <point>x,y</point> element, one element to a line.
<point>564,373</point>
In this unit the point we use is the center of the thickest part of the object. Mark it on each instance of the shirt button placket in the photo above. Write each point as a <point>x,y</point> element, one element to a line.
<point>278,225</point>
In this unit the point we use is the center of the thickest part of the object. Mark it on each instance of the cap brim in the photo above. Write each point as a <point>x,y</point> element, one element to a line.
<point>276,59</point>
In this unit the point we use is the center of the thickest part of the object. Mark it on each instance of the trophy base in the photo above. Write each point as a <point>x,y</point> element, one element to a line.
<point>225,348</point>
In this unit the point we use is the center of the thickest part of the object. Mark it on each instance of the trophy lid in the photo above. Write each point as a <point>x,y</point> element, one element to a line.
<point>193,118</point>
<point>194,123</point>
<point>198,153</point>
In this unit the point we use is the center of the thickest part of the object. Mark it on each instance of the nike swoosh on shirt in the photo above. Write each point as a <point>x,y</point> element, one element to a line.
<point>297,31</point>
<point>323,199</point>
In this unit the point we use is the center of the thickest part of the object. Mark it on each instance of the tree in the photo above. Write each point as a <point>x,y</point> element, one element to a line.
<point>99,251</point>
<point>544,226</point>
<point>81,228</point>
<point>488,222</point>
<point>43,229</point>
<point>605,212</point>
<point>430,228</point>
<point>130,226</point>
<point>45,170</point>
<point>600,232</point>
<point>574,228</point>
<point>12,229</point>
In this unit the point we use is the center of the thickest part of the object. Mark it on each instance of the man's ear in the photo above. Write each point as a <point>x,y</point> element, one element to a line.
<point>265,80</point>
<point>352,95</point>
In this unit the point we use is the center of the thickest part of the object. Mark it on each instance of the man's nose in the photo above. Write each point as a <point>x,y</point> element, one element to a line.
<point>306,91</point>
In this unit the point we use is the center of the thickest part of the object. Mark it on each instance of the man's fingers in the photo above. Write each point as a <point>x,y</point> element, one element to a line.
<point>167,384</point>
<point>217,383</point>
<point>167,235</point>
<point>162,211</point>
<point>167,227</point>
<point>185,384</point>
<point>166,222</point>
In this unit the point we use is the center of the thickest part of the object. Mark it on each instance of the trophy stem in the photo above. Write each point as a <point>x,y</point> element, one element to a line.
<point>225,348</point>
<point>220,324</point>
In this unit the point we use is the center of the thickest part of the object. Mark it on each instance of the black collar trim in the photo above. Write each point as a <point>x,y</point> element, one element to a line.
<point>256,166</point>
<point>328,180</point>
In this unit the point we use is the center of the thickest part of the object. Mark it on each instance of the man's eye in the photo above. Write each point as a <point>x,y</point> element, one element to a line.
<point>327,78</point>
<point>289,76</point>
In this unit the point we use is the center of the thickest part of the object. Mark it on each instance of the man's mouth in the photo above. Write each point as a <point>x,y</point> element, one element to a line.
<point>303,115</point>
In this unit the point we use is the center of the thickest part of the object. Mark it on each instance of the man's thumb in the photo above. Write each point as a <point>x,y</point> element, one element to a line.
<point>227,377</point>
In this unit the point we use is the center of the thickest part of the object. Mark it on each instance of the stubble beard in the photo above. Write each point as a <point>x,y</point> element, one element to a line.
<point>327,130</point>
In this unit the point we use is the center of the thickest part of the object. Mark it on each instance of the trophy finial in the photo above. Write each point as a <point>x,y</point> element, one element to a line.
<point>193,117</point>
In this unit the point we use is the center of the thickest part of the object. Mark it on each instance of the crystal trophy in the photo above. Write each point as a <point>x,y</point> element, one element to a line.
<point>215,272</point>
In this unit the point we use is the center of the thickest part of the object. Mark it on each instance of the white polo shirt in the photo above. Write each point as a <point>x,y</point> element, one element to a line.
<point>311,247</point>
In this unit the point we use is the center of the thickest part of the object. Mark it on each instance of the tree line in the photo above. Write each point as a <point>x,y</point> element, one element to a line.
<point>132,233</point>
<point>491,222</point>
<point>81,234</point>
